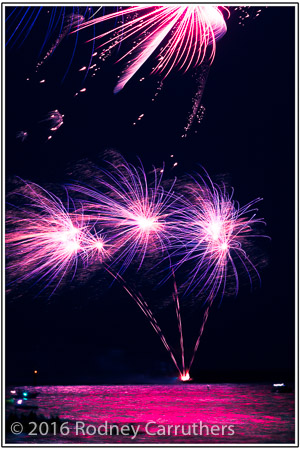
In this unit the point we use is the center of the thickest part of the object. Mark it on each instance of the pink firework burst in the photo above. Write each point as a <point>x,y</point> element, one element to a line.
<point>215,232</point>
<point>96,247</point>
<point>181,35</point>
<point>133,209</point>
<point>44,240</point>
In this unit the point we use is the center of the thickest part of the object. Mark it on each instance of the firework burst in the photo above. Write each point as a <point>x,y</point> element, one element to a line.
<point>44,240</point>
<point>134,210</point>
<point>214,233</point>
<point>181,35</point>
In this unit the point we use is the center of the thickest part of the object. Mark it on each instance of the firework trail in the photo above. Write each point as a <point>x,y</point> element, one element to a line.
<point>134,210</point>
<point>59,20</point>
<point>142,304</point>
<point>201,82</point>
<point>56,22</point>
<point>68,23</point>
<point>175,296</point>
<point>189,31</point>
<point>205,317</point>
<point>19,22</point>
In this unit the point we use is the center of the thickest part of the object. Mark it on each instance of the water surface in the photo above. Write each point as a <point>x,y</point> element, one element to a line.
<point>254,413</point>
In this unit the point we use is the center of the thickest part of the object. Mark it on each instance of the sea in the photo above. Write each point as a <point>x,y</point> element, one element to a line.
<point>152,414</point>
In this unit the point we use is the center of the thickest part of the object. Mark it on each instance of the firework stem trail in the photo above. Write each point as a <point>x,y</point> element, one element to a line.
<point>146,310</point>
<point>177,305</point>
<point>205,317</point>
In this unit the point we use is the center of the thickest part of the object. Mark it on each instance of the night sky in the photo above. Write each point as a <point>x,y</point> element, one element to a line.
<point>89,332</point>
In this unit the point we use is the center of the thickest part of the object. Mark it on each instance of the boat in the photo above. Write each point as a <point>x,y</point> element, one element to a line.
<point>19,393</point>
<point>281,388</point>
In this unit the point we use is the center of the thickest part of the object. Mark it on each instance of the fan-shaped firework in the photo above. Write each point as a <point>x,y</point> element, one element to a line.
<point>180,34</point>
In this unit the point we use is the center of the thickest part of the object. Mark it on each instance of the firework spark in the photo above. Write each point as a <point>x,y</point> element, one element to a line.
<point>95,245</point>
<point>53,121</point>
<point>182,36</point>
<point>22,135</point>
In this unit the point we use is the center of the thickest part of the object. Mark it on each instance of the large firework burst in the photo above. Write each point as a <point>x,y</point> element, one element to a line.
<point>214,234</point>
<point>181,35</point>
<point>133,208</point>
<point>44,239</point>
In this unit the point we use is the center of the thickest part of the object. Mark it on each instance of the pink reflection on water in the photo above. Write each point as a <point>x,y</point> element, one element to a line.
<point>258,416</point>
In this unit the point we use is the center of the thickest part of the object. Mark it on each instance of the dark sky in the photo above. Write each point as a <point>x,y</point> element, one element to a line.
<point>88,333</point>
